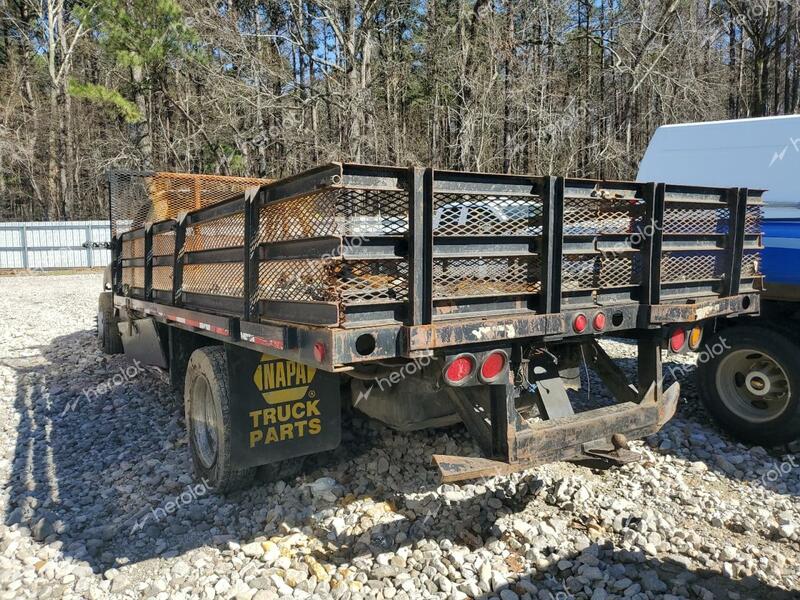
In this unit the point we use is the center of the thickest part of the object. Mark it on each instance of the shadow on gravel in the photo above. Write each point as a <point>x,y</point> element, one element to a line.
<point>95,477</point>
<point>662,577</point>
<point>83,434</point>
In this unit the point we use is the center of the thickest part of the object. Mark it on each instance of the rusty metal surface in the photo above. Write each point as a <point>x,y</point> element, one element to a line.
<point>462,468</point>
<point>141,197</point>
<point>485,276</point>
<point>609,371</point>
<point>689,313</point>
<point>488,253</point>
<point>454,332</point>
<point>463,331</point>
<point>357,212</point>
<point>611,454</point>
<point>565,438</point>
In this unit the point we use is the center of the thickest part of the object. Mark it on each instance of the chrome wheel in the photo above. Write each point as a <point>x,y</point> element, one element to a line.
<point>753,385</point>
<point>204,422</point>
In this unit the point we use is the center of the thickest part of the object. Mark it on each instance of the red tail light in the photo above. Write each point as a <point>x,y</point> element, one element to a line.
<point>460,369</point>
<point>493,365</point>
<point>580,323</point>
<point>320,351</point>
<point>599,322</point>
<point>677,339</point>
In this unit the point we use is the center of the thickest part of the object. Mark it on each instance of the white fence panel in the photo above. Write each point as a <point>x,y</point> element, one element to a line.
<point>53,244</point>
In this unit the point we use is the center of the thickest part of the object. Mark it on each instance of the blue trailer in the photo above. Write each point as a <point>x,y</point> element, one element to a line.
<point>749,376</point>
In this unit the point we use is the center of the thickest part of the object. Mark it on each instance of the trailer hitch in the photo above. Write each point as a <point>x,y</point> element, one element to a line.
<point>615,453</point>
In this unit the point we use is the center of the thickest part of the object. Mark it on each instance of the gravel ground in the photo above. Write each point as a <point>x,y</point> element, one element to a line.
<point>98,499</point>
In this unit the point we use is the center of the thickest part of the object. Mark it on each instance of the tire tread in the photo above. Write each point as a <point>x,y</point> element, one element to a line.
<point>226,477</point>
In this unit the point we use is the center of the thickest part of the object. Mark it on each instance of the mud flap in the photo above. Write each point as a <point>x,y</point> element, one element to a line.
<point>281,409</point>
<point>141,341</point>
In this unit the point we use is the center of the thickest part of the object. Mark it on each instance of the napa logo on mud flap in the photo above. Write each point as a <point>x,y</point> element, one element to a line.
<point>292,405</point>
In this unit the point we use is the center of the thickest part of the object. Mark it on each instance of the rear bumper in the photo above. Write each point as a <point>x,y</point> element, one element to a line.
<point>582,435</point>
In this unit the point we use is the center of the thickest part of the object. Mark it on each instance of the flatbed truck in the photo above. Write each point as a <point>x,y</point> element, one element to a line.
<point>422,297</point>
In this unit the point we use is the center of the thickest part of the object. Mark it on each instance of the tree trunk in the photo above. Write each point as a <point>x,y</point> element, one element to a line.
<point>142,130</point>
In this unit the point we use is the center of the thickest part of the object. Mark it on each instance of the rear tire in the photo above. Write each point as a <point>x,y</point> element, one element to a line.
<point>107,332</point>
<point>208,421</point>
<point>752,388</point>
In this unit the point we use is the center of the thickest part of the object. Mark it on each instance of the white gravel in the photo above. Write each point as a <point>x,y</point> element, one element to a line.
<point>95,502</point>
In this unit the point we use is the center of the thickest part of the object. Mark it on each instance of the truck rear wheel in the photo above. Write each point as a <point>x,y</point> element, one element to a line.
<point>752,387</point>
<point>107,332</point>
<point>208,420</point>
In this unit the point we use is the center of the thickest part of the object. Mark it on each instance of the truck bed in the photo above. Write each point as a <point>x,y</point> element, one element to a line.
<point>350,263</point>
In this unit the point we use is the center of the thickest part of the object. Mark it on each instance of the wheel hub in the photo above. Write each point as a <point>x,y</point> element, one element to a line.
<point>753,385</point>
<point>204,422</point>
<point>757,383</point>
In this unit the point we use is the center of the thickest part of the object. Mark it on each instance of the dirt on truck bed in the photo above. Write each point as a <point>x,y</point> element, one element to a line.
<point>97,499</point>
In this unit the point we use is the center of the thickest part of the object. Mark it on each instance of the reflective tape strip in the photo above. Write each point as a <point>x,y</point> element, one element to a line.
<point>254,339</point>
<point>190,322</point>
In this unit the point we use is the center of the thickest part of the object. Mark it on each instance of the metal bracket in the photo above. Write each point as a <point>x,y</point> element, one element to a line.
<point>552,395</point>
<point>610,373</point>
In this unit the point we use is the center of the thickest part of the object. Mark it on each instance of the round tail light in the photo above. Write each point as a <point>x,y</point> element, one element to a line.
<point>460,368</point>
<point>599,322</point>
<point>696,338</point>
<point>580,323</point>
<point>677,339</point>
<point>493,365</point>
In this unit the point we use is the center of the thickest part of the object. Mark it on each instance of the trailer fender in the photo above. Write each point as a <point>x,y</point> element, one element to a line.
<point>282,409</point>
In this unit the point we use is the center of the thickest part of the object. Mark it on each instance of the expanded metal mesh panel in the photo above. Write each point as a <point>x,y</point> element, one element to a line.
<point>472,277</point>
<point>487,233</point>
<point>600,212</point>
<point>587,272</point>
<point>220,279</point>
<point>130,203</point>
<point>706,264</point>
<point>476,215</point>
<point>133,277</point>
<point>753,218</point>
<point>349,282</point>
<point>296,280</point>
<point>226,232</point>
<point>697,220</point>
<point>162,278</point>
<point>336,212</point>
<point>692,266</point>
<point>164,244</point>
<point>360,281</point>
<point>751,264</point>
<point>140,197</point>
<point>133,248</point>
<point>597,216</point>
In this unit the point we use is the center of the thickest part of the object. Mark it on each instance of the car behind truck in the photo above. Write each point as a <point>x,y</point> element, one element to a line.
<point>422,297</point>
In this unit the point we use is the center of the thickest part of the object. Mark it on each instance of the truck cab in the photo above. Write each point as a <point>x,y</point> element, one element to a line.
<point>751,384</point>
